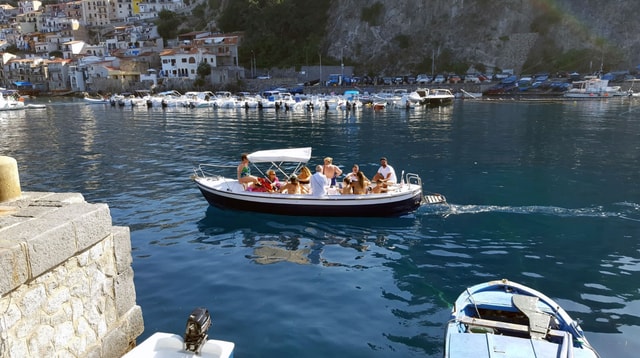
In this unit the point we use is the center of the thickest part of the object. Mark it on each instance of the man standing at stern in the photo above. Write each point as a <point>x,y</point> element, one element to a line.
<point>319,182</point>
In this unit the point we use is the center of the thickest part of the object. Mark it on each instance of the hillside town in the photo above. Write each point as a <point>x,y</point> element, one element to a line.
<point>58,56</point>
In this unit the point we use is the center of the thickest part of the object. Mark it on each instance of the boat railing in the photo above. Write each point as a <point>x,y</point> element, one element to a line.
<point>412,178</point>
<point>207,171</point>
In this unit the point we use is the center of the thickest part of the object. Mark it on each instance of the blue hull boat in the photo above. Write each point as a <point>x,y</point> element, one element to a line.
<point>506,319</point>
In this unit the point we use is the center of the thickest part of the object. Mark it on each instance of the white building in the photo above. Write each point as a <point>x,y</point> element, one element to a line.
<point>183,62</point>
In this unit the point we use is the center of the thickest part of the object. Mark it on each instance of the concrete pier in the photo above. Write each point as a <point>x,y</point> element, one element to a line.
<point>66,281</point>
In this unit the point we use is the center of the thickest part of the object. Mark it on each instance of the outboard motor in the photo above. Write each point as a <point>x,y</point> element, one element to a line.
<point>196,335</point>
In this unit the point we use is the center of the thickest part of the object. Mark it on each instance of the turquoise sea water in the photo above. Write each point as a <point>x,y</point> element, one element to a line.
<point>543,193</point>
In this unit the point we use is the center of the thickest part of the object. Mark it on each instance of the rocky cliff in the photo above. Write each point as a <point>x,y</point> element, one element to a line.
<point>398,36</point>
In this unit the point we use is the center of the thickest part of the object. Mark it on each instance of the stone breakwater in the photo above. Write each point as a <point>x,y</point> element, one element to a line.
<point>66,281</point>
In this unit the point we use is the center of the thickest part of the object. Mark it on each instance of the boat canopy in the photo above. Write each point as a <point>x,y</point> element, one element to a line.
<point>299,155</point>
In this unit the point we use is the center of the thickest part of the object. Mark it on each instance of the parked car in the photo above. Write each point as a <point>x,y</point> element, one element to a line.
<point>471,79</point>
<point>574,76</point>
<point>484,78</point>
<point>454,79</point>
<point>541,77</point>
<point>439,79</point>
<point>423,79</point>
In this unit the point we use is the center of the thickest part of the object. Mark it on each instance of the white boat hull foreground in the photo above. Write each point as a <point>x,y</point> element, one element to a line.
<point>506,319</point>
<point>194,344</point>
<point>167,345</point>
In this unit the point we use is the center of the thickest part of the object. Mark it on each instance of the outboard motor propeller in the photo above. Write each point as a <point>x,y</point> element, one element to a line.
<point>196,335</point>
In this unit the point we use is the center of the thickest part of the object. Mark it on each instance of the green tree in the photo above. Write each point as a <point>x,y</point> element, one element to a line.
<point>168,25</point>
<point>204,69</point>
<point>277,32</point>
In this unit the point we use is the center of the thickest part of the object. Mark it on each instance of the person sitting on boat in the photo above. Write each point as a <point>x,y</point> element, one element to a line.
<point>347,187</point>
<point>304,176</point>
<point>319,182</point>
<point>331,171</point>
<point>244,172</point>
<point>377,187</point>
<point>293,186</point>
<point>360,186</point>
<point>353,176</point>
<point>274,184</point>
<point>386,173</point>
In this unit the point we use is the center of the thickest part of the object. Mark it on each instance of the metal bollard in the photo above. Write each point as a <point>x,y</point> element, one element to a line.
<point>9,179</point>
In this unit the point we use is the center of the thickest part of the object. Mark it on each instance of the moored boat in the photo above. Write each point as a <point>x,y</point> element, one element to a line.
<point>194,343</point>
<point>11,103</point>
<point>593,87</point>
<point>507,319</point>
<point>228,193</point>
<point>94,100</point>
<point>439,97</point>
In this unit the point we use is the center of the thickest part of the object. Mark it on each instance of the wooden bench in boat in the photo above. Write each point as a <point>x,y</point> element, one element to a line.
<point>505,326</point>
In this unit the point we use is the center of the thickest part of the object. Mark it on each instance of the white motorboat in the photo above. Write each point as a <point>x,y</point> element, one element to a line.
<point>439,97</point>
<point>228,193</point>
<point>11,103</point>
<point>593,87</point>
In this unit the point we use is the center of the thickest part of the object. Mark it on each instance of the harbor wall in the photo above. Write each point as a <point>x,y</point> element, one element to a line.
<point>66,281</point>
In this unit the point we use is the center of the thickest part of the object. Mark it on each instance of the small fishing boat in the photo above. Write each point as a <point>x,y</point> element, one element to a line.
<point>195,342</point>
<point>507,319</point>
<point>35,106</point>
<point>94,100</point>
<point>226,192</point>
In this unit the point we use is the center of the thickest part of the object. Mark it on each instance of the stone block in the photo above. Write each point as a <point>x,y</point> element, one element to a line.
<point>7,219</point>
<point>120,338</point>
<point>33,211</point>
<point>63,198</point>
<point>92,222</point>
<point>125,292</point>
<point>134,323</point>
<point>14,266</point>
<point>122,248</point>
<point>115,343</point>
<point>53,244</point>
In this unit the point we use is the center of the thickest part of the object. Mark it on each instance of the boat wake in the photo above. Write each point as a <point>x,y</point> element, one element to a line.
<point>623,210</point>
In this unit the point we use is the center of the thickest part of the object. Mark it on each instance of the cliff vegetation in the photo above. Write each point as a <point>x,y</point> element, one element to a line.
<point>417,36</point>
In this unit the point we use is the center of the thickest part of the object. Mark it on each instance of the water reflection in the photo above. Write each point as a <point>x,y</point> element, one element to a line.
<point>300,240</point>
